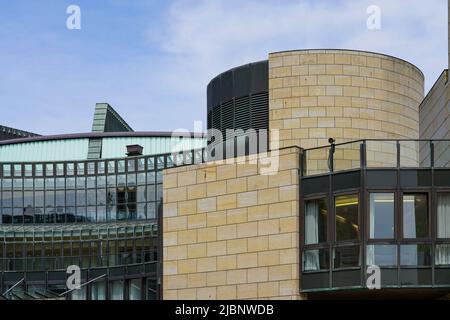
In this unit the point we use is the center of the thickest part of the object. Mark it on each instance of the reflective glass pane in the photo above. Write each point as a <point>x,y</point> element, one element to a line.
<point>98,291</point>
<point>116,290</point>
<point>443,215</point>
<point>381,255</point>
<point>381,215</point>
<point>135,289</point>
<point>315,260</point>
<point>346,257</point>
<point>78,294</point>
<point>415,255</point>
<point>316,216</point>
<point>346,214</point>
<point>415,216</point>
<point>442,254</point>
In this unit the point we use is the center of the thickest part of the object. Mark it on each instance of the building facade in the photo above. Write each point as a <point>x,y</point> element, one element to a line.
<point>327,174</point>
<point>80,200</point>
<point>307,218</point>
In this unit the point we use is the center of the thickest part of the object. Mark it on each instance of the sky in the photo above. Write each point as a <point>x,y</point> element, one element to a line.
<point>152,59</point>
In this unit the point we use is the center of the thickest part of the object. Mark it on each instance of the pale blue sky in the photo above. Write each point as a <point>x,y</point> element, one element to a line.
<point>151,60</point>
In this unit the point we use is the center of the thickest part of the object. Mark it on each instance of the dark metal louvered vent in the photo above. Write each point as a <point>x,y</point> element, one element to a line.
<point>242,113</point>
<point>227,116</point>
<point>260,111</point>
<point>248,112</point>
<point>209,119</point>
<point>239,99</point>
<point>216,118</point>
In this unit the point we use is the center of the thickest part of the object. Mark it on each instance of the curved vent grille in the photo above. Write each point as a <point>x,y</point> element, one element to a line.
<point>246,112</point>
<point>260,111</point>
<point>242,113</point>
<point>216,118</point>
<point>209,119</point>
<point>227,116</point>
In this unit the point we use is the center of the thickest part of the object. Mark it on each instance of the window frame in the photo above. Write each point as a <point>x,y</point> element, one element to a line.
<point>356,193</point>
<point>367,237</point>
<point>400,226</point>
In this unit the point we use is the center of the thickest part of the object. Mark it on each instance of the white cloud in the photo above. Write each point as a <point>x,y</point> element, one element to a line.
<point>206,37</point>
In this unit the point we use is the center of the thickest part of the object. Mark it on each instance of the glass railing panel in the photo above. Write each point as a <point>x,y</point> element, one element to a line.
<point>347,156</point>
<point>441,154</point>
<point>317,161</point>
<point>424,154</point>
<point>381,154</point>
<point>409,153</point>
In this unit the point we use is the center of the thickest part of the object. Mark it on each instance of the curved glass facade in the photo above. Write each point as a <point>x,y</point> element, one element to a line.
<point>86,191</point>
<point>77,148</point>
<point>99,215</point>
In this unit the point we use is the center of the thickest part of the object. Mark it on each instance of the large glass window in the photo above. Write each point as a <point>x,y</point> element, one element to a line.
<point>116,290</point>
<point>415,216</point>
<point>346,213</point>
<point>443,215</point>
<point>382,255</point>
<point>316,214</point>
<point>135,289</point>
<point>381,215</point>
<point>78,294</point>
<point>98,291</point>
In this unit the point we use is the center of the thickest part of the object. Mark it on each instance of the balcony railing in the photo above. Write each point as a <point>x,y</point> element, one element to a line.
<point>371,153</point>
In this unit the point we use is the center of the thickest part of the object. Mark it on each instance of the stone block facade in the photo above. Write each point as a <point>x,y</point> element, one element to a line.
<point>346,95</point>
<point>435,121</point>
<point>231,232</point>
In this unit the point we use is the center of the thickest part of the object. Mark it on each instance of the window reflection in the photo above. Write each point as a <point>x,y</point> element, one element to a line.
<point>346,217</point>
<point>381,215</point>
<point>315,260</point>
<point>415,216</point>
<point>116,290</point>
<point>381,255</point>
<point>316,216</point>
<point>415,255</point>
<point>135,289</point>
<point>443,215</point>
<point>59,199</point>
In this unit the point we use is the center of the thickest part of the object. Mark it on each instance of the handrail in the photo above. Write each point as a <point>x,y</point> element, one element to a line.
<point>423,154</point>
<point>15,285</point>
<point>81,285</point>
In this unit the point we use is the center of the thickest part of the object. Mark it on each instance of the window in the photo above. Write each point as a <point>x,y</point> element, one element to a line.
<point>415,216</point>
<point>135,289</point>
<point>28,170</point>
<point>442,254</point>
<point>346,257</point>
<point>116,290</point>
<point>98,290</point>
<point>7,170</point>
<point>443,215</point>
<point>316,260</point>
<point>346,213</point>
<point>316,214</point>
<point>70,169</point>
<point>49,169</point>
<point>415,255</point>
<point>382,215</point>
<point>382,255</point>
<point>78,294</point>
<point>100,167</point>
